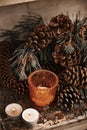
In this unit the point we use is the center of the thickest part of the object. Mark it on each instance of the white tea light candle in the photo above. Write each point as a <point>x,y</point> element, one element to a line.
<point>13,110</point>
<point>30,116</point>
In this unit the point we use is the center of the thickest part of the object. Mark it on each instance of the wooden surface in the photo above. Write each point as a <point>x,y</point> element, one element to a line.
<point>82,125</point>
<point>10,15</point>
<point>11,2</point>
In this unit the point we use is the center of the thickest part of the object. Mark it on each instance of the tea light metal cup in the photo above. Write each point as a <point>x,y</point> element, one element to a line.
<point>30,116</point>
<point>13,110</point>
<point>42,86</point>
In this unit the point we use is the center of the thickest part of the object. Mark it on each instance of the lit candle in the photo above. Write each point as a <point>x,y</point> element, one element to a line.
<point>30,116</point>
<point>13,110</point>
<point>42,86</point>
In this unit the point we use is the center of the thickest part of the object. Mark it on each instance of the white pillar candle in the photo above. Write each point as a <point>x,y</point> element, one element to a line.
<point>30,116</point>
<point>13,110</point>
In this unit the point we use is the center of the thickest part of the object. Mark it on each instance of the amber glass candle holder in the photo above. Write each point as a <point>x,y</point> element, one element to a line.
<point>42,86</point>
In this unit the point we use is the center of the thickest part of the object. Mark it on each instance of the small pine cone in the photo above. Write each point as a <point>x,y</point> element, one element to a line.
<point>75,76</point>
<point>68,97</point>
<point>61,24</point>
<point>66,55</point>
<point>40,37</point>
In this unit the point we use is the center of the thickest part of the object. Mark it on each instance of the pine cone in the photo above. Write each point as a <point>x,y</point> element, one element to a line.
<point>61,24</point>
<point>7,79</point>
<point>40,37</point>
<point>66,55</point>
<point>68,97</point>
<point>75,76</point>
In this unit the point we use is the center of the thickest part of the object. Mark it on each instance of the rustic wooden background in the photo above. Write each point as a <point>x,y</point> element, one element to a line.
<point>10,2</point>
<point>9,15</point>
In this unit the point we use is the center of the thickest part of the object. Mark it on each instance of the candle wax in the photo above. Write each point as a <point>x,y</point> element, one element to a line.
<point>30,115</point>
<point>13,110</point>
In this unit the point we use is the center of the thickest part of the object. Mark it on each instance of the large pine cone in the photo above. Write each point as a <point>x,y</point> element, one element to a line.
<point>68,97</point>
<point>40,37</point>
<point>61,24</point>
<point>66,55</point>
<point>75,76</point>
<point>7,79</point>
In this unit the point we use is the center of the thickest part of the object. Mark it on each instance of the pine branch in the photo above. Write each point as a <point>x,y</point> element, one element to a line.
<point>25,25</point>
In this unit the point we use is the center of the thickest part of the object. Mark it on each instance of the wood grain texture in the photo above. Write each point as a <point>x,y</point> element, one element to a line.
<point>46,8</point>
<point>10,2</point>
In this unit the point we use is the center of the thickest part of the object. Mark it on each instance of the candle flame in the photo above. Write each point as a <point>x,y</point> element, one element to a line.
<point>13,110</point>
